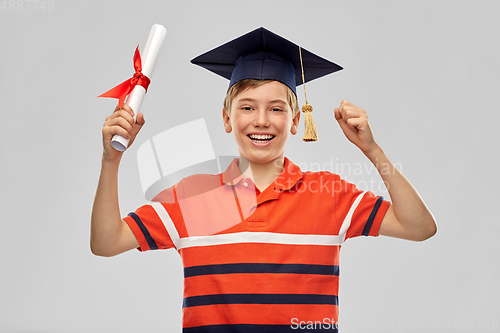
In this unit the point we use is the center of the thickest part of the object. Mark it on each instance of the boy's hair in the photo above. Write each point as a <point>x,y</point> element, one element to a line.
<point>252,83</point>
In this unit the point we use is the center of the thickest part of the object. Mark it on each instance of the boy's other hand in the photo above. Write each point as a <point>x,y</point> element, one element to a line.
<point>120,122</point>
<point>355,125</point>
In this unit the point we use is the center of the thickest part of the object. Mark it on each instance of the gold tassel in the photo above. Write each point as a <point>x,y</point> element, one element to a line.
<point>310,133</point>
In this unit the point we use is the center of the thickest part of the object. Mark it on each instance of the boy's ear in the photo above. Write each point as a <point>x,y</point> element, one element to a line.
<point>295,124</point>
<point>227,121</point>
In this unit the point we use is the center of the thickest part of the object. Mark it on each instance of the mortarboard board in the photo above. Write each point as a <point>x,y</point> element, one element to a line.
<point>262,55</point>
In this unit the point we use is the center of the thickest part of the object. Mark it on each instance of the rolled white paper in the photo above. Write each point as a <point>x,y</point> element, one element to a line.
<point>148,59</point>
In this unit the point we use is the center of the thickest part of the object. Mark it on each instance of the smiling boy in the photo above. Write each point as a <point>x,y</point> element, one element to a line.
<point>275,262</point>
<point>261,116</point>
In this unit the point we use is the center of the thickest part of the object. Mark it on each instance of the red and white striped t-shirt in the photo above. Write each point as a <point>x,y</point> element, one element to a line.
<point>254,261</point>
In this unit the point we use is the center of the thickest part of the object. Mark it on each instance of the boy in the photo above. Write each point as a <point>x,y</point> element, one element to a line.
<point>271,264</point>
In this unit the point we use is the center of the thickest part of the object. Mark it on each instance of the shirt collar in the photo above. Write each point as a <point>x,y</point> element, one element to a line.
<point>289,176</point>
<point>232,175</point>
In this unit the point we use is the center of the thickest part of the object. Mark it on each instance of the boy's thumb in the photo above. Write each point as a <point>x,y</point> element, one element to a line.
<point>139,120</point>
<point>336,114</point>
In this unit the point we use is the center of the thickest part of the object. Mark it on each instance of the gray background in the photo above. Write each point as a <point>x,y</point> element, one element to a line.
<point>427,72</point>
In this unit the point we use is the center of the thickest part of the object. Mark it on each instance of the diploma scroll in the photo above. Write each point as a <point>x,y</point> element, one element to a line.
<point>148,58</point>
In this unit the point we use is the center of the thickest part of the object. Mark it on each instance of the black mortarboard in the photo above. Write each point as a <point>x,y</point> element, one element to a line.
<point>261,55</point>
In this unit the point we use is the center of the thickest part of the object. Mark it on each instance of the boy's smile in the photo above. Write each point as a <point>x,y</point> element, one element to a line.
<point>261,140</point>
<point>261,120</point>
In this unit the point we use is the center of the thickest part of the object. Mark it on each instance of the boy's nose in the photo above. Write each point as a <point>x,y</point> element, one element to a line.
<point>261,119</point>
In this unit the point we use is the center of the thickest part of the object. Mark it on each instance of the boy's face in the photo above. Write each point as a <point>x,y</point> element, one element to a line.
<point>261,120</point>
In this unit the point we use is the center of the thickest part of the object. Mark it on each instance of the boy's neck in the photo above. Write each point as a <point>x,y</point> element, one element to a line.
<point>262,174</point>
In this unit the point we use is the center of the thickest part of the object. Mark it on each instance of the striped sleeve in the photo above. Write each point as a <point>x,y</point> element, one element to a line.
<point>152,224</point>
<point>360,213</point>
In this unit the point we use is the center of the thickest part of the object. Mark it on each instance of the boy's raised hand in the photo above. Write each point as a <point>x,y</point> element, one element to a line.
<point>355,125</point>
<point>120,122</point>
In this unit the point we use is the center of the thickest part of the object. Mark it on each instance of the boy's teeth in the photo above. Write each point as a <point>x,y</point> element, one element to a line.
<point>261,137</point>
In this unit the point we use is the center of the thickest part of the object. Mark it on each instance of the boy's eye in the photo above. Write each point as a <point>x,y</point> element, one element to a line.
<point>276,109</point>
<point>246,108</point>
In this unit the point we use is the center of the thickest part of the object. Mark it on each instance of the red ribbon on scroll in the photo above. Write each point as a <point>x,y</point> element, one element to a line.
<point>123,89</point>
